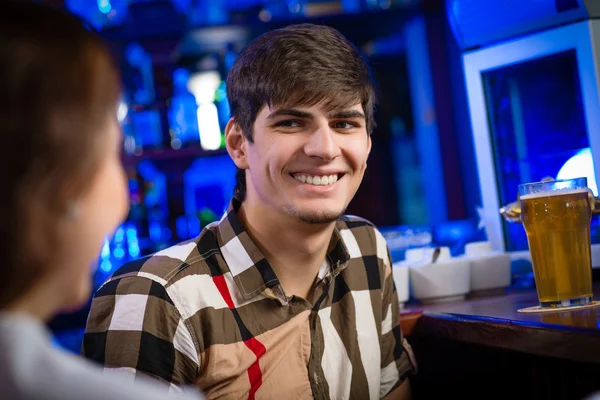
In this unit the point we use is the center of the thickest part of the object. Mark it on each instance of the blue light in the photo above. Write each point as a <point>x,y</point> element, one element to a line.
<point>143,76</point>
<point>155,230</point>
<point>104,6</point>
<point>119,253</point>
<point>119,235</point>
<point>193,227</point>
<point>105,254</point>
<point>99,14</point>
<point>131,234</point>
<point>208,12</point>
<point>134,250</point>
<point>181,227</point>
<point>182,113</point>
<point>182,6</point>
<point>351,6</point>
<point>106,266</point>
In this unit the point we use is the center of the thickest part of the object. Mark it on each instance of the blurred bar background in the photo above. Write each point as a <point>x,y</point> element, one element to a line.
<point>475,97</point>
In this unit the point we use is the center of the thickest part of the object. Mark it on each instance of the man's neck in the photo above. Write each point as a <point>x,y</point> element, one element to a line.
<point>295,249</point>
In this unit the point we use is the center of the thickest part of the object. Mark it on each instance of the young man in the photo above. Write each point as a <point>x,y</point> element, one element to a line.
<point>284,297</point>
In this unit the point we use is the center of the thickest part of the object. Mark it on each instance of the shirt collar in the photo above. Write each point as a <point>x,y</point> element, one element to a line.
<point>251,271</point>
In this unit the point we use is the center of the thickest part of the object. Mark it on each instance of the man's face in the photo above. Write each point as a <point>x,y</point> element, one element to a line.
<point>305,162</point>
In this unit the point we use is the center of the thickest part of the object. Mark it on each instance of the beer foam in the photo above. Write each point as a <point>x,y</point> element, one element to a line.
<point>557,192</point>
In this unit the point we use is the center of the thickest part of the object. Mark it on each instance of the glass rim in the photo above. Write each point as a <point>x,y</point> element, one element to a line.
<point>524,185</point>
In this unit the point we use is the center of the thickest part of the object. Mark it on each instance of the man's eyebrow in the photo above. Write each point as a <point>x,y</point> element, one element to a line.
<point>346,114</point>
<point>292,112</point>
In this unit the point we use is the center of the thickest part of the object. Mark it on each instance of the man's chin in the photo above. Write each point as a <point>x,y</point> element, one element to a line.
<point>318,216</point>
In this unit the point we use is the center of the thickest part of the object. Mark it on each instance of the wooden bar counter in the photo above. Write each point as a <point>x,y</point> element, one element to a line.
<point>483,348</point>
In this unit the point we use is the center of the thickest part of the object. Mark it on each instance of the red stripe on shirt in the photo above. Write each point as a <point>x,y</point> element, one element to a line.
<point>256,347</point>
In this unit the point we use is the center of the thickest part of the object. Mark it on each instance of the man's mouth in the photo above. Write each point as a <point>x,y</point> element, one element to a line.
<point>317,180</point>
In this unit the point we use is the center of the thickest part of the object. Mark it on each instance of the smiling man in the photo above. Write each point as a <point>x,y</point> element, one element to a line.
<point>284,297</point>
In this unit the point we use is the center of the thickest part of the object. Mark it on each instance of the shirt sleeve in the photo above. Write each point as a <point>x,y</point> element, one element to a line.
<point>134,326</point>
<point>397,359</point>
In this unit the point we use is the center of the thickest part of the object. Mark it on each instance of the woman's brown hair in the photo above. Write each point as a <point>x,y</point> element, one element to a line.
<point>58,88</point>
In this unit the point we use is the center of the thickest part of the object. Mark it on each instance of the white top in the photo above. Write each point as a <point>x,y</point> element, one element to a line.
<point>31,367</point>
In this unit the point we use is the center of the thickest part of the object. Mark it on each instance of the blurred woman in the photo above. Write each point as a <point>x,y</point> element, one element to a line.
<point>63,190</point>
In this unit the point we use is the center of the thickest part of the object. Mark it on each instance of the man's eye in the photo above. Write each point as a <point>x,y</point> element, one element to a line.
<point>288,124</point>
<point>344,125</point>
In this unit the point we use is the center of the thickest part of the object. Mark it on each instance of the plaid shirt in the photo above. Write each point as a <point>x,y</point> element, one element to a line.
<point>211,312</point>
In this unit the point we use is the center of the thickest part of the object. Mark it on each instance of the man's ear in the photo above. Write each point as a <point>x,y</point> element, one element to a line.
<point>236,143</point>
<point>369,143</point>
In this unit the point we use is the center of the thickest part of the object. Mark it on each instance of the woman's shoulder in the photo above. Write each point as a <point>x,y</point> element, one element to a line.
<point>34,368</point>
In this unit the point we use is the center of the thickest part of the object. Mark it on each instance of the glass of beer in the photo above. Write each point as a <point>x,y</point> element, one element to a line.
<point>557,217</point>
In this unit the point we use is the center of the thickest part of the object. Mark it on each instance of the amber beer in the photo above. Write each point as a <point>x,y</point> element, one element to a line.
<point>557,223</point>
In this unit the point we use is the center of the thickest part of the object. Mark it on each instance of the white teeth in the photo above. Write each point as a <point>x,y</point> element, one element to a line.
<point>317,180</point>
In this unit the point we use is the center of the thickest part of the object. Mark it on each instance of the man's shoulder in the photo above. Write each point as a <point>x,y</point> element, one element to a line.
<point>166,266</point>
<point>359,226</point>
<point>364,234</point>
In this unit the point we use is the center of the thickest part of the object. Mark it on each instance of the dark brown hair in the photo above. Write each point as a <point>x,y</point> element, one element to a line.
<point>302,64</point>
<point>58,87</point>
